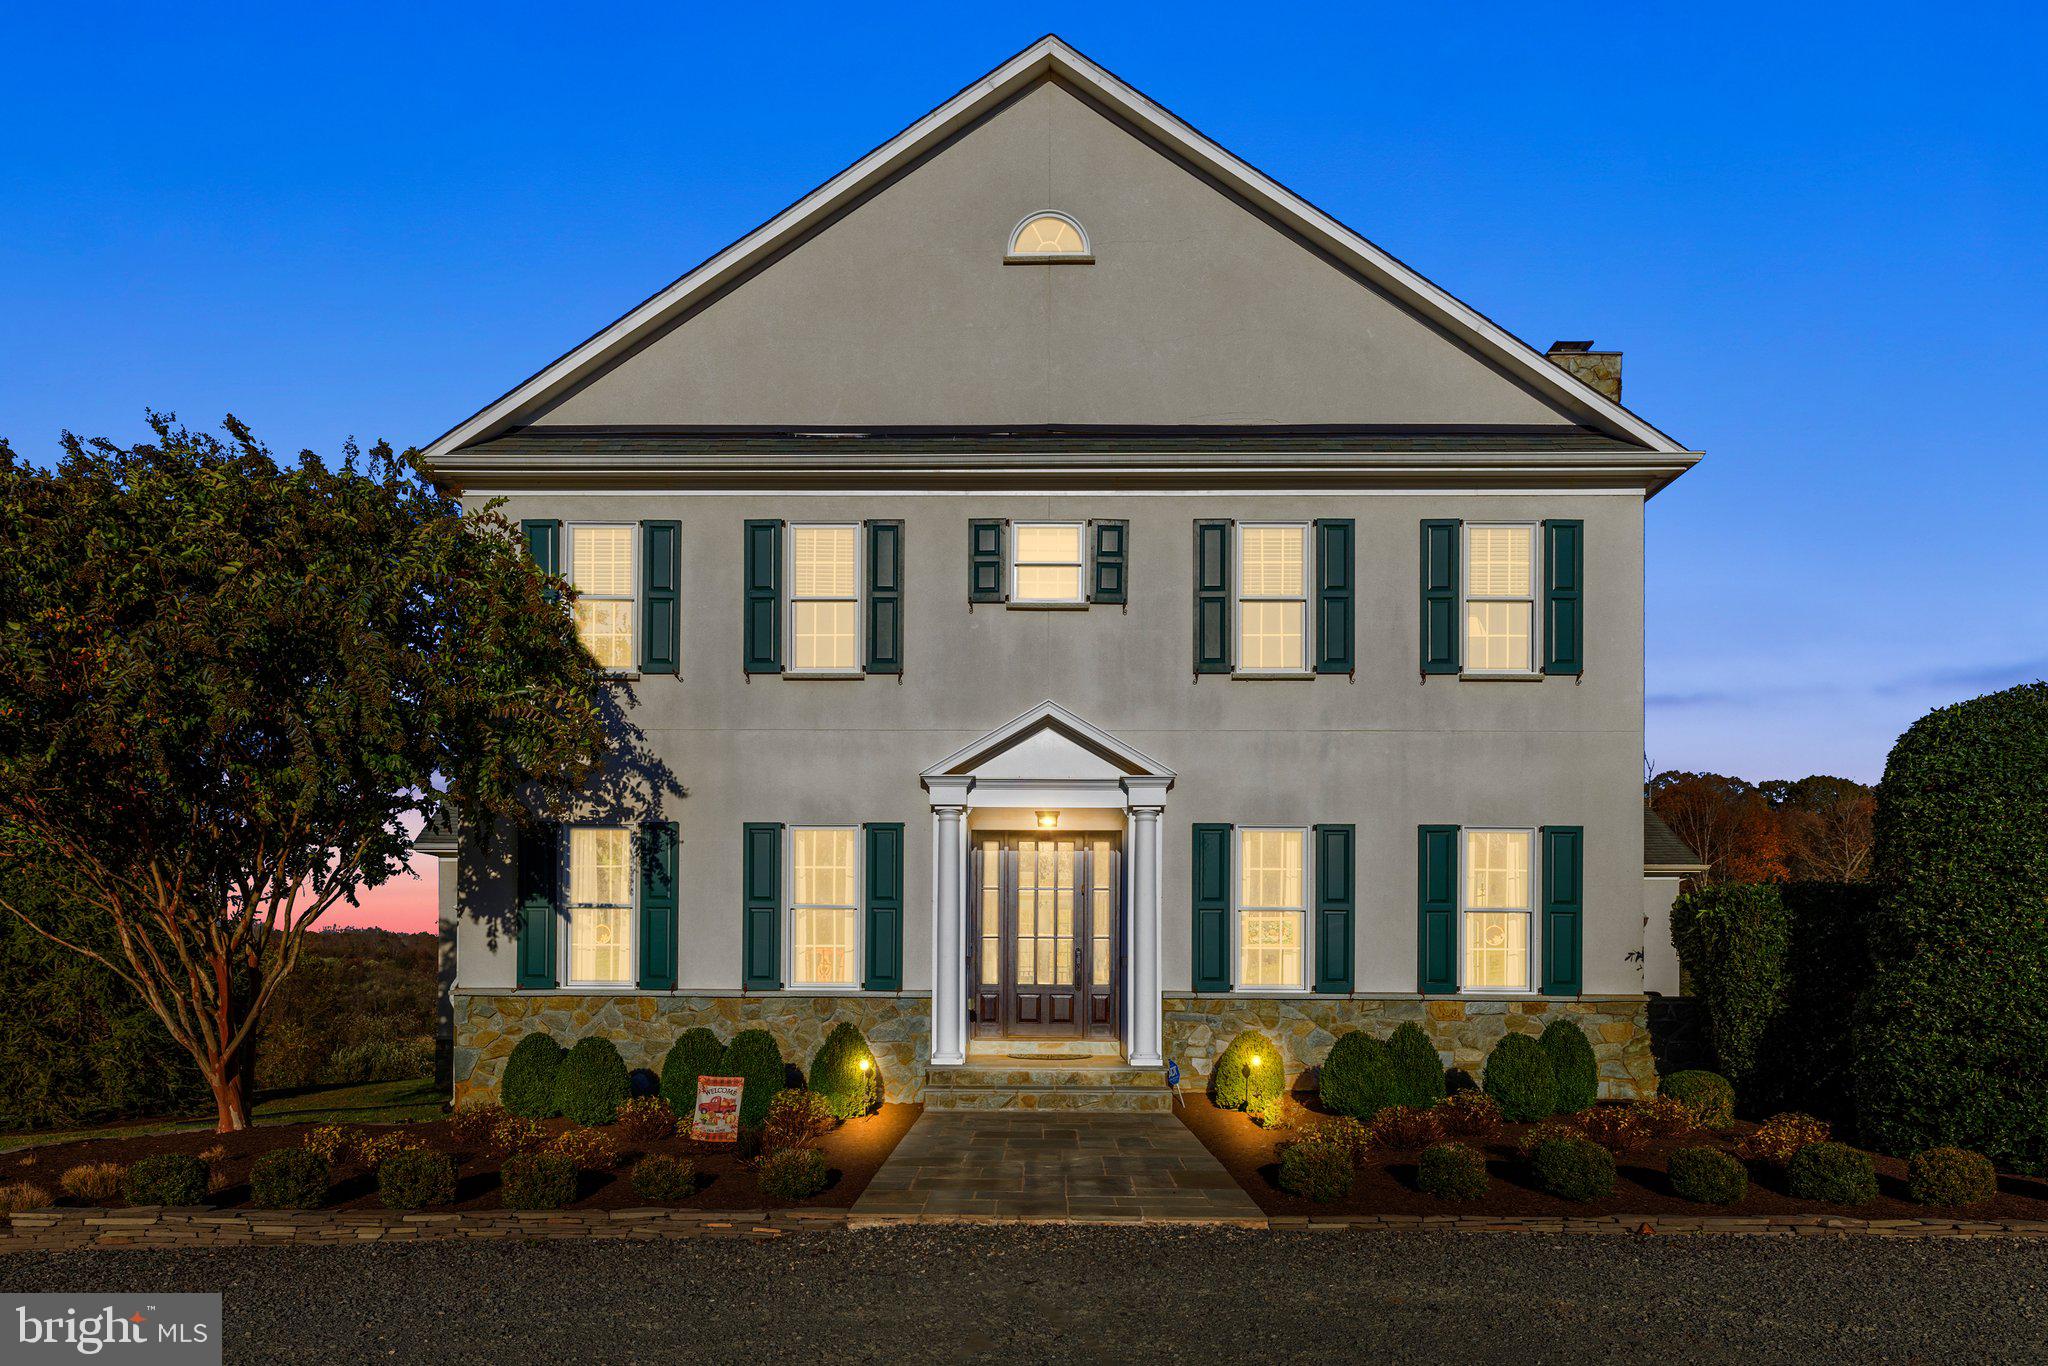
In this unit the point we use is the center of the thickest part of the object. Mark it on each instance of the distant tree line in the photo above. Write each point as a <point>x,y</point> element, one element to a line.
<point>1816,829</point>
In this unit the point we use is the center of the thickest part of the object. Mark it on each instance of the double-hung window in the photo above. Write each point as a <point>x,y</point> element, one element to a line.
<point>823,906</point>
<point>1272,598</point>
<point>1272,909</point>
<point>824,599</point>
<point>1050,564</point>
<point>600,906</point>
<point>1500,599</point>
<point>601,572</point>
<point>1497,912</point>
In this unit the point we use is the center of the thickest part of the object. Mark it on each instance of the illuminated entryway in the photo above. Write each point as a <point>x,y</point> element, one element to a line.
<point>1048,941</point>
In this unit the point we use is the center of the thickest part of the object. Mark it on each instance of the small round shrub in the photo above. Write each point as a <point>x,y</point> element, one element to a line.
<point>646,1119</point>
<point>515,1135</point>
<point>92,1182</point>
<point>416,1178</point>
<point>1778,1139</point>
<point>290,1178</point>
<point>1404,1129</point>
<point>753,1055</point>
<point>1707,1176</point>
<point>590,1085</point>
<point>1616,1128</point>
<point>1471,1114</point>
<point>792,1173</point>
<point>845,1073</point>
<point>695,1054</point>
<point>1707,1096</point>
<point>592,1150</point>
<point>1663,1117</point>
<point>1316,1168</point>
<point>796,1119</point>
<point>1248,1072</point>
<point>1357,1078</point>
<point>1572,1168</point>
<point>1520,1080</point>
<point>1348,1134</point>
<point>331,1143</point>
<point>1939,1176</point>
<point>661,1177</point>
<point>1270,1113</point>
<point>1418,1071</point>
<point>1451,1171</point>
<point>472,1124</point>
<point>538,1181</point>
<point>1833,1174</point>
<point>1572,1064</point>
<point>165,1179</point>
<point>528,1087</point>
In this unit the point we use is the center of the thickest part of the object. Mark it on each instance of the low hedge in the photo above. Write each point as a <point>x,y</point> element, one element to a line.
<point>1521,1080</point>
<point>1706,1096</point>
<point>1248,1073</point>
<point>1707,1176</point>
<point>845,1073</point>
<point>1571,1064</point>
<point>528,1087</point>
<point>1418,1071</point>
<point>591,1083</point>
<point>538,1181</point>
<point>695,1054</point>
<point>1954,1177</point>
<point>1832,1173</point>
<point>290,1178</point>
<point>792,1173</point>
<point>165,1179</point>
<point>1357,1078</point>
<point>1572,1168</point>
<point>1452,1171</point>
<point>416,1179</point>
<point>1317,1168</point>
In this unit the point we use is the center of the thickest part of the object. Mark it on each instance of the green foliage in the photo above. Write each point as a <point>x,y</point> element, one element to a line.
<point>165,1179</point>
<point>591,1085</point>
<point>1317,1168</point>
<point>1357,1078</point>
<point>1950,1176</point>
<point>1733,940</point>
<point>663,1178</point>
<point>538,1181</point>
<point>845,1073</point>
<point>1706,1096</point>
<point>1520,1079</point>
<point>646,1119</point>
<point>528,1086</point>
<point>289,1178</point>
<point>1418,1071</point>
<point>1572,1168</point>
<point>753,1055</point>
<point>1451,1171</point>
<point>697,1053</point>
<point>1832,1173</point>
<point>796,1119</point>
<point>1707,1176</point>
<point>1248,1073</point>
<point>792,1173</point>
<point>359,1007</point>
<point>1952,1036</point>
<point>416,1178</point>
<point>1572,1064</point>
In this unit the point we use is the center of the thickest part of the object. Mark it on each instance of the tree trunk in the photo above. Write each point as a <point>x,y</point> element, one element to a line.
<point>230,1100</point>
<point>229,1076</point>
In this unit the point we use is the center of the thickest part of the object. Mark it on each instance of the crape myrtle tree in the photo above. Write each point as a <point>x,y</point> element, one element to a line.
<point>228,684</point>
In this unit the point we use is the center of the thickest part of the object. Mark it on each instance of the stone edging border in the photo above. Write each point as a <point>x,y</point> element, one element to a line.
<point>78,1229</point>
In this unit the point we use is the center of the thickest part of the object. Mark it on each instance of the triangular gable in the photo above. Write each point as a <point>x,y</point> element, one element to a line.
<point>1046,741</point>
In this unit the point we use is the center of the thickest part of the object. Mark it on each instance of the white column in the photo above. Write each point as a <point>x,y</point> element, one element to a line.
<point>1145,1046</point>
<point>949,917</point>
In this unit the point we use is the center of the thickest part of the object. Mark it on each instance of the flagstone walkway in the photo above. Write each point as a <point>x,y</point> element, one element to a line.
<point>1059,1165</point>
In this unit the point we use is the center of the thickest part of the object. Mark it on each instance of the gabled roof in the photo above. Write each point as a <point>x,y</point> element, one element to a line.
<point>1050,56</point>
<point>1050,716</point>
<point>1664,853</point>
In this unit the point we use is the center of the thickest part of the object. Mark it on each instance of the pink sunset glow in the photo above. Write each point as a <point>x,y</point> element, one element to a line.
<point>405,903</point>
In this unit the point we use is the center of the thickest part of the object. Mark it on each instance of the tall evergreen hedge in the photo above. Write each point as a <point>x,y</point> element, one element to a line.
<point>1733,939</point>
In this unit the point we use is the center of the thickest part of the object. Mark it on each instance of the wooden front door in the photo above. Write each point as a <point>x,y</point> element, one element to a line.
<point>1048,938</point>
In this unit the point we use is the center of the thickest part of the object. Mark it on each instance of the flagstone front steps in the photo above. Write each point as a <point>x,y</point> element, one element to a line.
<point>1078,1077</point>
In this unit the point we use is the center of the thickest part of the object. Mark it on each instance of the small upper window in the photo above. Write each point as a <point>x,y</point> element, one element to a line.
<point>1049,562</point>
<point>601,572</point>
<point>1049,237</point>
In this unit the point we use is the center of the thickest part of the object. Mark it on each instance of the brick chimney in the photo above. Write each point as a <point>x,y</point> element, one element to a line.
<point>1599,370</point>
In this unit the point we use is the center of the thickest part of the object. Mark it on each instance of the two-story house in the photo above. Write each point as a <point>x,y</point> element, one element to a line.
<point>1095,602</point>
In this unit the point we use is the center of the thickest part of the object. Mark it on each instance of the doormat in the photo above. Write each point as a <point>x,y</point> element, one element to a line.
<point>1048,1057</point>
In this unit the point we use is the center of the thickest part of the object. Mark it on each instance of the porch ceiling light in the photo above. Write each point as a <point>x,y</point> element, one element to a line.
<point>1047,820</point>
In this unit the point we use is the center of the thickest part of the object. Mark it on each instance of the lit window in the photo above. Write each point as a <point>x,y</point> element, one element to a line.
<point>601,572</point>
<point>600,905</point>
<point>821,907</point>
<point>1272,596</point>
<point>1049,562</point>
<point>1497,916</point>
<point>1049,236</point>
<point>824,599</point>
<point>1500,599</point>
<point>1272,907</point>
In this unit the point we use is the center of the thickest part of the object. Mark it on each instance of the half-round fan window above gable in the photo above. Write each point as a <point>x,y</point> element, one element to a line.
<point>1049,237</point>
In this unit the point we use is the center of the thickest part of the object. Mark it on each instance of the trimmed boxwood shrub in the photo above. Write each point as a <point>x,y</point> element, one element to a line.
<point>695,1054</point>
<point>661,1177</point>
<point>1707,1176</point>
<point>792,1173</point>
<point>837,1075</point>
<point>1572,1168</point>
<point>1572,1064</point>
<point>289,1178</point>
<point>416,1178</point>
<point>1520,1080</point>
<point>1418,1071</point>
<point>591,1084</point>
<point>165,1179</point>
<point>1950,1176</point>
<point>1357,1079</point>
<point>1317,1168</point>
<point>1452,1171</point>
<point>1237,1084</point>
<point>538,1181</point>
<point>528,1089</point>
<point>1706,1096</point>
<point>753,1055</point>
<point>1832,1173</point>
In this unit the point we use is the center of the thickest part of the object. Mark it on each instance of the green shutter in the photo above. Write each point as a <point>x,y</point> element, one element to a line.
<point>1564,573</point>
<point>1336,879</point>
<point>658,906</point>
<point>984,560</point>
<point>1212,597</point>
<point>535,887</point>
<point>885,907</point>
<point>1437,932</point>
<point>1212,908</point>
<point>761,907</point>
<point>762,570</point>
<point>1564,904</point>
<point>1111,584</point>
<point>1440,597</point>
<point>885,598</point>
<point>1336,613</point>
<point>544,546</point>
<point>661,613</point>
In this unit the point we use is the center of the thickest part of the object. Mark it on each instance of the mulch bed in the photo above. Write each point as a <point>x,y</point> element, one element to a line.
<point>854,1152</point>
<point>1386,1184</point>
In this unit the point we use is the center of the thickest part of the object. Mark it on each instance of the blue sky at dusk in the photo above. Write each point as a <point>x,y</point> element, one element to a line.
<point>1815,231</point>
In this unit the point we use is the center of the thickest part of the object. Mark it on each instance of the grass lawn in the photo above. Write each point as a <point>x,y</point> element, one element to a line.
<point>376,1102</point>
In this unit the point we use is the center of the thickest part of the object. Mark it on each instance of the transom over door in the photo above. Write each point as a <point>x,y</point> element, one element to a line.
<point>1048,941</point>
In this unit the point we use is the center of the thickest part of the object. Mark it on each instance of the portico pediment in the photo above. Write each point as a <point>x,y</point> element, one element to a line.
<point>1048,744</point>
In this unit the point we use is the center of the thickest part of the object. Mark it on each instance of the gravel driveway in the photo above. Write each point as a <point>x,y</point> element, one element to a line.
<point>1080,1293</point>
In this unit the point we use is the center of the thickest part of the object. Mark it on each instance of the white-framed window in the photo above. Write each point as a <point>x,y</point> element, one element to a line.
<point>1050,563</point>
<point>1500,599</point>
<point>1049,235</point>
<point>599,902</point>
<point>824,906</point>
<point>601,571</point>
<point>1499,920</point>
<point>1272,597</point>
<point>1272,909</point>
<point>824,599</point>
